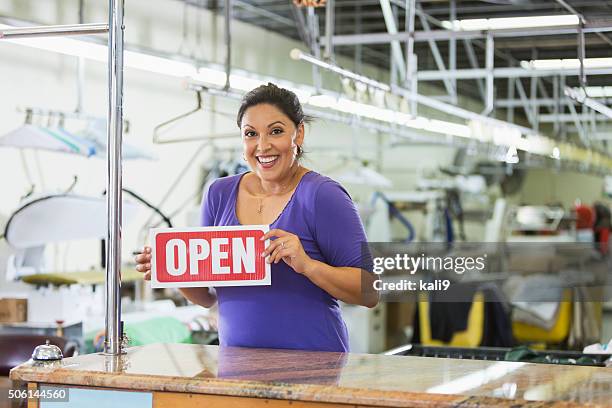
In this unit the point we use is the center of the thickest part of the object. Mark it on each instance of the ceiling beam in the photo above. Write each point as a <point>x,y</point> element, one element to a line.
<point>419,36</point>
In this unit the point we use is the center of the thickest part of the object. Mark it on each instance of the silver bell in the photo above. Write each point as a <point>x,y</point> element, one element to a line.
<point>47,352</point>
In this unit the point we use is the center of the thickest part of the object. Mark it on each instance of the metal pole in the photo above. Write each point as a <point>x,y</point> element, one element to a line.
<point>452,49</point>
<point>436,53</point>
<point>313,27</point>
<point>414,84</point>
<point>510,113</point>
<point>329,30</point>
<point>489,105</point>
<point>557,105</point>
<point>112,344</point>
<point>396,48</point>
<point>410,60</point>
<point>80,65</point>
<point>535,110</point>
<point>507,72</point>
<point>48,31</point>
<point>358,48</point>
<point>581,56</point>
<point>300,56</point>
<point>228,42</point>
<point>445,35</point>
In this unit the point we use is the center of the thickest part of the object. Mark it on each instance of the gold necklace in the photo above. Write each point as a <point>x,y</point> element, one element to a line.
<point>283,191</point>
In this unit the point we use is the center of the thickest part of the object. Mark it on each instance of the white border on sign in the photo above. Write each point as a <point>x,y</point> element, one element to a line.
<point>155,284</point>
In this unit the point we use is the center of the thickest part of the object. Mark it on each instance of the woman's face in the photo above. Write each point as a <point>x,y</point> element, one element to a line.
<point>270,140</point>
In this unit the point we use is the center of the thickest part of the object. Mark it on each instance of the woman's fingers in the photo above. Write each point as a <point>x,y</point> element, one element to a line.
<point>143,262</point>
<point>274,255</point>
<point>281,251</point>
<point>142,258</point>
<point>143,267</point>
<point>284,253</point>
<point>275,244</point>
<point>276,232</point>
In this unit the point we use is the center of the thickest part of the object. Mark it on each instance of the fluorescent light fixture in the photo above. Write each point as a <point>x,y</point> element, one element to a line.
<point>210,76</point>
<point>244,84</point>
<point>510,22</point>
<point>323,101</point>
<point>596,91</point>
<point>390,116</point>
<point>158,65</point>
<point>570,63</point>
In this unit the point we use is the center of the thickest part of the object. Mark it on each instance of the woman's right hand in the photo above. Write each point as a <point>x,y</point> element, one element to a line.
<point>143,262</point>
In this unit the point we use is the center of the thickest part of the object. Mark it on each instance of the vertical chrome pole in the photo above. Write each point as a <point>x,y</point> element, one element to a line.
<point>490,55</point>
<point>452,50</point>
<point>228,42</point>
<point>329,30</point>
<point>411,64</point>
<point>113,159</point>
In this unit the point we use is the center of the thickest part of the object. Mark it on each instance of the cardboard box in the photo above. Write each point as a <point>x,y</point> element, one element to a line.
<point>13,310</point>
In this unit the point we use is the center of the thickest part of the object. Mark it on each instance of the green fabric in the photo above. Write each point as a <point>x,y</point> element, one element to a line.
<point>525,354</point>
<point>155,330</point>
<point>158,330</point>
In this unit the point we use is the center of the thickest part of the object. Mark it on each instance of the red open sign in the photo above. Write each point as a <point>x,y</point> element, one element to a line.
<point>209,256</point>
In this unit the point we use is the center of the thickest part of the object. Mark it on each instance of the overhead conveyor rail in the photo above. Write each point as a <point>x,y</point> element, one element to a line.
<point>56,30</point>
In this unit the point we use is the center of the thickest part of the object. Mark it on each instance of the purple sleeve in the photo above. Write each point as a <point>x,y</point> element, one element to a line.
<point>207,218</point>
<point>338,229</point>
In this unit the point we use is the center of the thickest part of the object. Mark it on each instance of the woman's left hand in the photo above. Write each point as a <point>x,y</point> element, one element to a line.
<point>286,247</point>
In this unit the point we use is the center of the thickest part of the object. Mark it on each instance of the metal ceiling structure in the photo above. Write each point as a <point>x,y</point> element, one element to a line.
<point>379,32</point>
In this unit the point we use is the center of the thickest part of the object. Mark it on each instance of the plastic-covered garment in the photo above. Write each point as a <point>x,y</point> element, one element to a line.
<point>60,217</point>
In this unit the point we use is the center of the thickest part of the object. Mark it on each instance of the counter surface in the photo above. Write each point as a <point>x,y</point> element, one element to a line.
<point>365,379</point>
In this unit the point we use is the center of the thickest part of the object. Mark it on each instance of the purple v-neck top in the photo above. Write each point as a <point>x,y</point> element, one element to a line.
<point>293,312</point>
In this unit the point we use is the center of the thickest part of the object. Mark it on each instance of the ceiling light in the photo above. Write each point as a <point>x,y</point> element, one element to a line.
<point>243,83</point>
<point>510,22</point>
<point>210,76</point>
<point>597,91</point>
<point>323,101</point>
<point>570,63</point>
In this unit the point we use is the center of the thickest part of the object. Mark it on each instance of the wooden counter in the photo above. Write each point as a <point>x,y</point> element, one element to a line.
<point>186,375</point>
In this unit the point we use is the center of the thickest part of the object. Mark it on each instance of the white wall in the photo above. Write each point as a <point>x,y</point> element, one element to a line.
<point>47,80</point>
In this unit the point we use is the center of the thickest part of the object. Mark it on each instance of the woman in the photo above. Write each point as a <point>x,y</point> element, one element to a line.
<point>316,237</point>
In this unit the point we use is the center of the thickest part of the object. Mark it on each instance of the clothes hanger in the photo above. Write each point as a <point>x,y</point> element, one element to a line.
<point>166,126</point>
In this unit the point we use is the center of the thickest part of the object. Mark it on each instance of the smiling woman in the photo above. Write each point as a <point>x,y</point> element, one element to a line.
<point>317,237</point>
